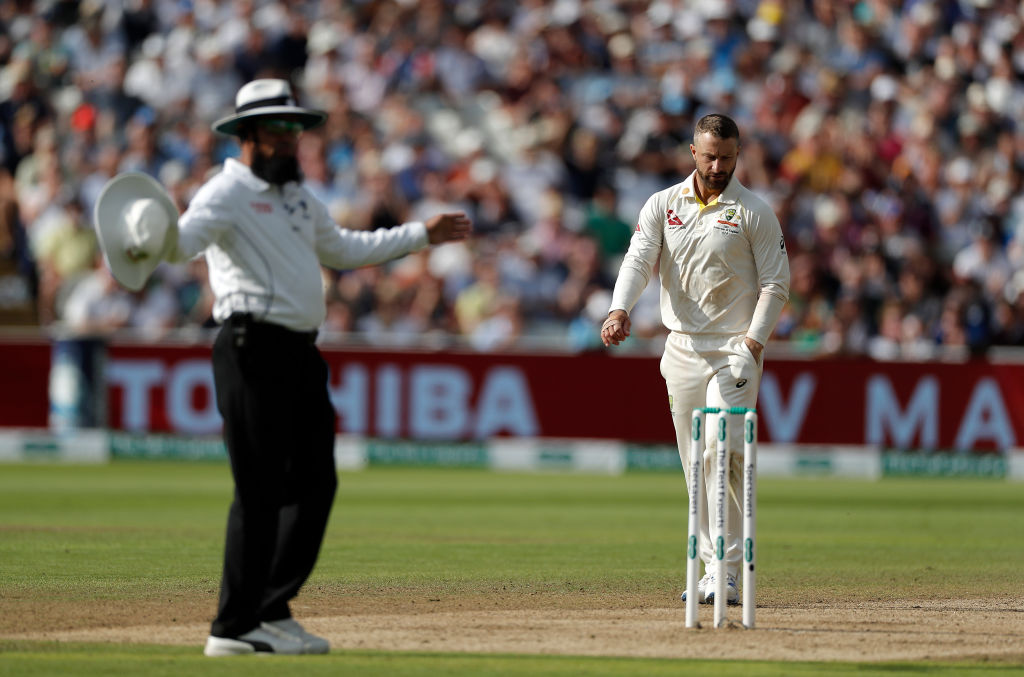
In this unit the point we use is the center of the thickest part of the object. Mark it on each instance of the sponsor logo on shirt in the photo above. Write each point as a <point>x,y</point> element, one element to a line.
<point>673,219</point>
<point>300,208</point>
<point>261,207</point>
<point>297,210</point>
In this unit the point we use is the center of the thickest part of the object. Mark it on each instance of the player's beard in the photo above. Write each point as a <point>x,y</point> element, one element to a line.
<point>276,169</point>
<point>716,184</point>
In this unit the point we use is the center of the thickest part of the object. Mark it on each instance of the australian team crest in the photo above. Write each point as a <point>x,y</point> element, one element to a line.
<point>727,224</point>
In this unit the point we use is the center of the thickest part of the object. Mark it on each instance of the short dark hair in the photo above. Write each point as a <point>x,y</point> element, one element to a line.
<point>718,125</point>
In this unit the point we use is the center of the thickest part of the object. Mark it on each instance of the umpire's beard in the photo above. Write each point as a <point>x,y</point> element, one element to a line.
<point>276,169</point>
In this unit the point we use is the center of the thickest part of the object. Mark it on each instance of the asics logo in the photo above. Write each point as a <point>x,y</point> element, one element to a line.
<point>742,382</point>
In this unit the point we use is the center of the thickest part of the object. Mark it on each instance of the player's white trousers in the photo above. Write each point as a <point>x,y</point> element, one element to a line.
<point>720,372</point>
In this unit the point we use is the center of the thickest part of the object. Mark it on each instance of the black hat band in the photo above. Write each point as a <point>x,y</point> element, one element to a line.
<point>264,103</point>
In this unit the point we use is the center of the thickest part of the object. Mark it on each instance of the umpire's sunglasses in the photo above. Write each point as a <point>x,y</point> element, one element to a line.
<point>275,126</point>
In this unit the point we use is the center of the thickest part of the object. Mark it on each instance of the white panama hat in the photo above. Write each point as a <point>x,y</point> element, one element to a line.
<point>263,98</point>
<point>137,225</point>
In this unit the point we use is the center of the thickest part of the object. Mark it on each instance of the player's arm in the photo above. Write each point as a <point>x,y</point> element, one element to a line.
<point>772,262</point>
<point>634,273</point>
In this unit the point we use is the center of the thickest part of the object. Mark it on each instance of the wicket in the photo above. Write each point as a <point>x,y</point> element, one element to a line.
<point>695,489</point>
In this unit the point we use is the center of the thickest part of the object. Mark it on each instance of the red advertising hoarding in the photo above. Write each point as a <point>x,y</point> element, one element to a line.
<point>462,396</point>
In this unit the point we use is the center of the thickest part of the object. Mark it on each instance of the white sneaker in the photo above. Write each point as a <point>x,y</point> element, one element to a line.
<point>289,627</point>
<point>702,588</point>
<point>732,591</point>
<point>256,640</point>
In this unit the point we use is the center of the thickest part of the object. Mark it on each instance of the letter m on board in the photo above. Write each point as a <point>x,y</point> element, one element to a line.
<point>886,420</point>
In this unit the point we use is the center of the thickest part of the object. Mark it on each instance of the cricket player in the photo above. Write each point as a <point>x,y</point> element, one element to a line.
<point>724,281</point>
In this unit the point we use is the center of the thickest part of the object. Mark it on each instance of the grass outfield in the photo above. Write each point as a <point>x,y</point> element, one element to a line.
<point>147,532</point>
<point>86,660</point>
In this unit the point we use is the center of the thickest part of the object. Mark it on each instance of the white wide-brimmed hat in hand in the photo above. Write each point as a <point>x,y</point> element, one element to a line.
<point>137,225</point>
<point>267,98</point>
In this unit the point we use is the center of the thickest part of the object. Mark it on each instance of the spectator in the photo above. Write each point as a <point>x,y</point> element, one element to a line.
<point>23,111</point>
<point>251,56</point>
<point>983,261</point>
<point>389,323</point>
<point>92,45</point>
<point>65,251</point>
<point>110,94</point>
<point>139,20</point>
<point>50,60</point>
<point>602,222</point>
<point>143,152</point>
<point>17,270</point>
<point>98,305</point>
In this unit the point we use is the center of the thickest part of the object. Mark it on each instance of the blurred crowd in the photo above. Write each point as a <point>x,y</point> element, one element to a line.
<point>887,135</point>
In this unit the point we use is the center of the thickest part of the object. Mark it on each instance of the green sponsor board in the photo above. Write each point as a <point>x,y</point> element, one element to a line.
<point>653,458</point>
<point>166,447</point>
<point>902,464</point>
<point>35,449</point>
<point>397,452</point>
<point>555,459</point>
<point>812,464</point>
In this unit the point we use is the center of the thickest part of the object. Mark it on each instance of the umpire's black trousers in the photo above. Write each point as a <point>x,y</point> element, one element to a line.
<point>271,386</point>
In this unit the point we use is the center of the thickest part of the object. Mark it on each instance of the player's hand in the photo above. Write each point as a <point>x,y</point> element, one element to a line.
<point>754,347</point>
<point>616,328</point>
<point>448,227</point>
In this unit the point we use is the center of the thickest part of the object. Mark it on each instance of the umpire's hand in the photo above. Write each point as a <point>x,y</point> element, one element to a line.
<point>448,228</point>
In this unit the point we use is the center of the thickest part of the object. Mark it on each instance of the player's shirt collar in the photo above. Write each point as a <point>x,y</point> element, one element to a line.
<point>728,196</point>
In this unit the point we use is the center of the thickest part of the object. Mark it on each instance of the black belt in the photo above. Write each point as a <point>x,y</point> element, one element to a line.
<point>244,325</point>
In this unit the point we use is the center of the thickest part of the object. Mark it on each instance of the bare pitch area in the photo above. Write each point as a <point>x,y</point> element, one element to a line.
<point>847,631</point>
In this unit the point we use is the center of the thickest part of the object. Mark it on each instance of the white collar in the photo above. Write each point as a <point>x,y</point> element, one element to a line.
<point>243,172</point>
<point>727,196</point>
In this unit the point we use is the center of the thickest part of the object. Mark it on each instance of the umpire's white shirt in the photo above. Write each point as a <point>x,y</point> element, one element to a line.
<point>264,246</point>
<point>715,260</point>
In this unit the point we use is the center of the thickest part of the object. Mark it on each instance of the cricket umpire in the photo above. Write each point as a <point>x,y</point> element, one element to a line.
<point>724,281</point>
<point>265,237</point>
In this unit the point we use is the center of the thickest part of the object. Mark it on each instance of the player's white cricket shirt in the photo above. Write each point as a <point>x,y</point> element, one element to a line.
<point>715,261</point>
<point>264,246</point>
